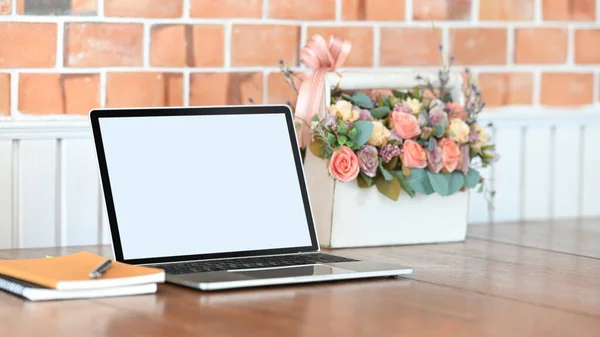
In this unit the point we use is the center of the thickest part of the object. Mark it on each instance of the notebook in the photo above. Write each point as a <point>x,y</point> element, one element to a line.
<point>34,292</point>
<point>71,272</point>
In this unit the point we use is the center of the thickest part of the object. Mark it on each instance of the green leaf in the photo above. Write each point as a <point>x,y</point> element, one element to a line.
<point>315,118</point>
<point>350,144</point>
<point>456,182</point>
<point>364,181</point>
<point>404,183</point>
<point>390,165</point>
<point>439,130</point>
<point>440,182</point>
<point>386,174</point>
<point>447,98</point>
<point>341,128</point>
<point>331,138</point>
<point>399,94</point>
<point>380,112</point>
<point>317,148</point>
<point>352,133</point>
<point>347,97</point>
<point>389,188</point>
<point>342,139</point>
<point>432,144</point>
<point>472,178</point>
<point>419,181</point>
<point>362,100</point>
<point>364,130</point>
<point>451,133</point>
<point>416,93</point>
<point>382,100</point>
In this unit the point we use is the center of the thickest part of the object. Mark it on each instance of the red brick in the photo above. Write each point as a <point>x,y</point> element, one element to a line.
<point>5,7</point>
<point>569,10</point>
<point>410,46</point>
<point>586,46</point>
<point>103,44</point>
<point>225,88</point>
<point>4,93</point>
<point>302,9</point>
<point>478,46</point>
<point>567,89</point>
<point>27,45</point>
<point>540,45</point>
<point>53,94</point>
<point>204,45</point>
<point>506,10</point>
<point>279,92</point>
<point>83,7</point>
<point>441,9</point>
<point>226,8</point>
<point>506,89</point>
<point>144,8</point>
<point>361,54</point>
<point>264,45</point>
<point>144,89</point>
<point>380,10</point>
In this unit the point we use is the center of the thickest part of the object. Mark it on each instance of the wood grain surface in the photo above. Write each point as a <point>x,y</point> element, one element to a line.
<point>528,279</point>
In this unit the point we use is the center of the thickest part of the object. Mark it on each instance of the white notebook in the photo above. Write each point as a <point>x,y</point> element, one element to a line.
<point>33,292</point>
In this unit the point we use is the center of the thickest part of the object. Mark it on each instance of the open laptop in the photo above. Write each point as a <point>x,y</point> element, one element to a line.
<point>215,196</point>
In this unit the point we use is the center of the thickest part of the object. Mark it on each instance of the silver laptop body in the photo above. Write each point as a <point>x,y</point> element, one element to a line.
<point>216,196</point>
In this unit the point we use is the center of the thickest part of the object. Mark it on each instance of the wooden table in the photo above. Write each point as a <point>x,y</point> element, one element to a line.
<point>533,279</point>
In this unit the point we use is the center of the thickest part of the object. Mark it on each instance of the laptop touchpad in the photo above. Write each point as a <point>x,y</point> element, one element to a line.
<point>297,271</point>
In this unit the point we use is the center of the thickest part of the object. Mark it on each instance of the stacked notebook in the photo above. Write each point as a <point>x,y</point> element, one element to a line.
<point>68,277</point>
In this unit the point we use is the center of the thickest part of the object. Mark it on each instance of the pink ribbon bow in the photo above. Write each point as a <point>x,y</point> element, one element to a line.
<point>321,57</point>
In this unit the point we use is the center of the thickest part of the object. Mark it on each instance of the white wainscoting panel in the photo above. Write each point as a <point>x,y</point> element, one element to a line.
<point>567,171</point>
<point>507,173</point>
<point>6,169</point>
<point>537,164</point>
<point>590,205</point>
<point>37,193</point>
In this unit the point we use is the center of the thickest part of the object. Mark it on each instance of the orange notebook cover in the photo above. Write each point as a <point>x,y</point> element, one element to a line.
<point>71,272</point>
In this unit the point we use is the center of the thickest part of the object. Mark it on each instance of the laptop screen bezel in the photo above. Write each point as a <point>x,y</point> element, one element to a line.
<point>97,114</point>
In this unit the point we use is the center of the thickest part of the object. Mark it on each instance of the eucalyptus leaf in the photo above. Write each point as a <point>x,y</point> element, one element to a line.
<point>404,183</point>
<point>364,130</point>
<point>389,188</point>
<point>440,183</point>
<point>456,182</point>
<point>432,144</point>
<point>364,181</point>
<point>317,148</point>
<point>439,130</point>
<point>386,174</point>
<point>419,181</point>
<point>472,178</point>
<point>380,112</point>
<point>362,100</point>
<point>347,97</point>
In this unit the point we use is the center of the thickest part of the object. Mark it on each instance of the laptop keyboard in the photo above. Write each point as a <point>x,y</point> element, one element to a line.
<point>249,262</point>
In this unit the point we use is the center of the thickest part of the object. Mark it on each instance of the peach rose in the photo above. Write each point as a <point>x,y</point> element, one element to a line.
<point>455,110</point>
<point>343,164</point>
<point>450,154</point>
<point>414,156</point>
<point>405,125</point>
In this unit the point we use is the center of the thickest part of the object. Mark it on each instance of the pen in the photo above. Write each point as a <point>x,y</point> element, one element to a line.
<point>101,269</point>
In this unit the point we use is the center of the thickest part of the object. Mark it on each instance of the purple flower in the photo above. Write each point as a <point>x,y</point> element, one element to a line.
<point>394,136</point>
<point>388,152</point>
<point>329,120</point>
<point>401,107</point>
<point>367,160</point>
<point>437,116</point>
<point>436,103</point>
<point>473,136</point>
<point>422,120</point>
<point>434,160</point>
<point>365,115</point>
<point>465,159</point>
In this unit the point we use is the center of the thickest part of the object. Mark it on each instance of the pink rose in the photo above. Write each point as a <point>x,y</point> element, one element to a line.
<point>343,165</point>
<point>414,155</point>
<point>405,125</point>
<point>456,110</point>
<point>450,154</point>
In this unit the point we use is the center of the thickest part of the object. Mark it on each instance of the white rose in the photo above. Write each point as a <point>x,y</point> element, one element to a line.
<point>344,110</point>
<point>414,104</point>
<point>459,130</point>
<point>379,135</point>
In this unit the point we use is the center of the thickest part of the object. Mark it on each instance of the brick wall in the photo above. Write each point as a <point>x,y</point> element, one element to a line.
<point>68,56</point>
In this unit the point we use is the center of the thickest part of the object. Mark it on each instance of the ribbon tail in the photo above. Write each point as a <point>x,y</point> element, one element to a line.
<point>310,97</point>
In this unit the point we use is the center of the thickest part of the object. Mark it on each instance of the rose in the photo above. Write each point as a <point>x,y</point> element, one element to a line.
<point>368,161</point>
<point>456,110</point>
<point>365,115</point>
<point>344,110</point>
<point>434,160</point>
<point>414,104</point>
<point>437,116</point>
<point>401,107</point>
<point>405,125</point>
<point>379,135</point>
<point>450,154</point>
<point>459,130</point>
<point>414,155</point>
<point>343,165</point>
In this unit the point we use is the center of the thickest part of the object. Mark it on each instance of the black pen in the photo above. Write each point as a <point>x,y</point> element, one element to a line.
<point>101,269</point>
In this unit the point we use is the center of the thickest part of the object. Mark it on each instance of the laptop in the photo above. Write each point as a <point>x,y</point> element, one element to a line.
<point>215,196</point>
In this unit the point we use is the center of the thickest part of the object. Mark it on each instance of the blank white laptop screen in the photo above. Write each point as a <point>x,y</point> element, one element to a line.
<point>187,185</point>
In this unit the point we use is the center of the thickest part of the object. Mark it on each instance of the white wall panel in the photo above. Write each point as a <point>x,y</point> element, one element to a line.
<point>37,193</point>
<point>80,192</point>
<point>590,205</point>
<point>507,174</point>
<point>537,170</point>
<point>6,165</point>
<point>566,179</point>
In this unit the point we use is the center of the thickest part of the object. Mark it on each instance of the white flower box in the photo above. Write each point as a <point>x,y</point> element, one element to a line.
<point>348,216</point>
